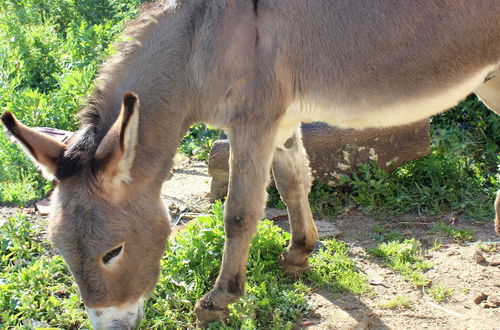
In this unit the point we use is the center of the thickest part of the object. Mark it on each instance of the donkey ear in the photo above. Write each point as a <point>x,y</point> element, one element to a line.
<point>43,149</point>
<point>116,153</point>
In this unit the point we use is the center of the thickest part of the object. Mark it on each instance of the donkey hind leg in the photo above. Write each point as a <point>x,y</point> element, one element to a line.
<point>250,162</point>
<point>291,173</point>
<point>489,93</point>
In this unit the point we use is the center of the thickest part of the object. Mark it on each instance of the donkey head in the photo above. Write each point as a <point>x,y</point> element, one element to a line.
<point>111,235</point>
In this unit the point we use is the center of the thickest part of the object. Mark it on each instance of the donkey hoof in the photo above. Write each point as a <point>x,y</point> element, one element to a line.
<point>206,311</point>
<point>293,269</point>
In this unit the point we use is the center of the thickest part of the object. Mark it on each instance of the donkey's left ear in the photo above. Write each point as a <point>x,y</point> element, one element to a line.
<point>116,153</point>
<point>43,149</point>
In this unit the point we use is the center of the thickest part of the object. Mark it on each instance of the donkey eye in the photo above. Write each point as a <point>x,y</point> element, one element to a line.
<point>111,254</point>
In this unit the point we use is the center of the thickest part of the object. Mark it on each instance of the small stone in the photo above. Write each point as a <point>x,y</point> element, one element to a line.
<point>478,257</point>
<point>43,206</point>
<point>478,299</point>
<point>493,302</point>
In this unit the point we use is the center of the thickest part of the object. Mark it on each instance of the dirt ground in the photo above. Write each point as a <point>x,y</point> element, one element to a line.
<point>472,272</point>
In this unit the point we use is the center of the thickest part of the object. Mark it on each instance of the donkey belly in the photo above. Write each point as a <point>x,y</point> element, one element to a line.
<point>375,112</point>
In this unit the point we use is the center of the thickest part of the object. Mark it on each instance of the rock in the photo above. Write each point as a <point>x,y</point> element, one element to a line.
<point>218,168</point>
<point>333,151</point>
<point>478,257</point>
<point>326,229</point>
<point>479,298</point>
<point>275,214</point>
<point>494,302</point>
<point>43,206</point>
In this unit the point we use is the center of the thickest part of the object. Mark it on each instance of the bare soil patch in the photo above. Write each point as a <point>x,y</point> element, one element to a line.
<point>469,269</point>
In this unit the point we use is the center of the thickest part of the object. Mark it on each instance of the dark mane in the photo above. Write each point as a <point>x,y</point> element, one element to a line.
<point>96,118</point>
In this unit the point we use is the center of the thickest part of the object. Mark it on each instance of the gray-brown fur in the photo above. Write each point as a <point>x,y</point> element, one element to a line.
<point>239,65</point>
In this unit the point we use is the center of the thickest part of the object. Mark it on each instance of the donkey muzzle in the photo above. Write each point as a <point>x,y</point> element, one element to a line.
<point>124,317</point>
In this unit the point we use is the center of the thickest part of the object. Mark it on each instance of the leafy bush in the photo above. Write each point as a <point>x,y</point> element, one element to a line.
<point>49,54</point>
<point>198,141</point>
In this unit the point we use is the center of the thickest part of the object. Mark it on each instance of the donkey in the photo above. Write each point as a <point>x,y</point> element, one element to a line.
<point>255,69</point>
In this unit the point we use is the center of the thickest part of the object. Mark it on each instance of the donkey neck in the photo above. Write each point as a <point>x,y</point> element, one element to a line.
<point>151,62</point>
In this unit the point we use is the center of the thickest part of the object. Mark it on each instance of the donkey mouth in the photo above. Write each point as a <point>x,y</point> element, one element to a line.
<point>117,318</point>
<point>120,325</point>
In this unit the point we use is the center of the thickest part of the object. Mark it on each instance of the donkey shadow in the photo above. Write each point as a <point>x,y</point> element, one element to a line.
<point>344,311</point>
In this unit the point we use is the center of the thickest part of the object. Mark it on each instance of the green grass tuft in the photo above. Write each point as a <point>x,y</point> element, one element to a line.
<point>441,293</point>
<point>333,267</point>
<point>457,234</point>
<point>405,257</point>
<point>398,302</point>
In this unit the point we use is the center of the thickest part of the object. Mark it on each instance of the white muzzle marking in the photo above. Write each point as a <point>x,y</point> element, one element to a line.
<point>122,317</point>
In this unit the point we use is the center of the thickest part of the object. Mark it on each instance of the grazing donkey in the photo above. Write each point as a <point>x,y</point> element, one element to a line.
<point>255,69</point>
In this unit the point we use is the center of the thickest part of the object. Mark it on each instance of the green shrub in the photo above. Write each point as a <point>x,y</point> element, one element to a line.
<point>49,54</point>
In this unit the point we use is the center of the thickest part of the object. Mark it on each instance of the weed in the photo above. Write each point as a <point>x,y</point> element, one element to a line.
<point>198,141</point>
<point>33,284</point>
<point>441,293</point>
<point>405,258</point>
<point>381,234</point>
<point>333,267</point>
<point>457,234</point>
<point>436,245</point>
<point>488,247</point>
<point>398,302</point>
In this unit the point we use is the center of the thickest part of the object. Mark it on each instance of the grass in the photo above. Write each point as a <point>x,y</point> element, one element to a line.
<point>398,302</point>
<point>35,286</point>
<point>405,257</point>
<point>333,267</point>
<point>441,293</point>
<point>460,235</point>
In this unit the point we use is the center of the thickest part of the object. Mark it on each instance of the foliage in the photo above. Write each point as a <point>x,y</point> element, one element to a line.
<point>441,293</point>
<point>35,286</point>
<point>198,141</point>
<point>457,234</point>
<point>332,266</point>
<point>398,302</point>
<point>459,175</point>
<point>405,257</point>
<point>49,54</point>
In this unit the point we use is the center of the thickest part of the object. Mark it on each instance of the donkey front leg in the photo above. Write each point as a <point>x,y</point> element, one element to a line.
<point>249,164</point>
<point>292,176</point>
